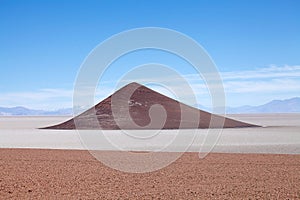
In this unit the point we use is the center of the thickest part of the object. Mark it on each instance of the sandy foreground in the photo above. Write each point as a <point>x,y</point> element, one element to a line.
<point>75,174</point>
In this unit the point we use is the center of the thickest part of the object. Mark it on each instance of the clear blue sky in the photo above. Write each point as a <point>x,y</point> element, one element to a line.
<point>43,43</point>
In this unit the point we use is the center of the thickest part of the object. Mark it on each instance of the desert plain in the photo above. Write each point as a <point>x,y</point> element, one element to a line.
<point>244,163</point>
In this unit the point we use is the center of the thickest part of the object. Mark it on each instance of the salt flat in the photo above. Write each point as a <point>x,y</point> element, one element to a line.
<point>280,134</point>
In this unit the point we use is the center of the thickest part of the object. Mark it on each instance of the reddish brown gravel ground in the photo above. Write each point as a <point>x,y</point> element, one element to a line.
<point>70,174</point>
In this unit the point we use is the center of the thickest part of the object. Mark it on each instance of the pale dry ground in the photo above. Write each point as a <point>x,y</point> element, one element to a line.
<point>74,174</point>
<point>278,119</point>
<point>280,136</point>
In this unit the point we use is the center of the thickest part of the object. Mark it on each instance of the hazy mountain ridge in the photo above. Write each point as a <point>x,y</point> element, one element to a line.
<point>23,111</point>
<point>276,106</point>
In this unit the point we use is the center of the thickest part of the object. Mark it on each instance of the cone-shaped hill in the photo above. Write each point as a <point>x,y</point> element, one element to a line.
<point>131,109</point>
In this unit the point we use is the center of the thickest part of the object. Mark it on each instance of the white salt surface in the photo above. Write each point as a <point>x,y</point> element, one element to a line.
<point>280,134</point>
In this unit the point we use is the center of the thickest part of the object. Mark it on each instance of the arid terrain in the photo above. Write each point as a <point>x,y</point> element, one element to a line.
<point>247,163</point>
<point>279,134</point>
<point>73,174</point>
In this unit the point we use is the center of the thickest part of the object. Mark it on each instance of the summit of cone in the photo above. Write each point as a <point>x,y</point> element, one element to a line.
<point>131,107</point>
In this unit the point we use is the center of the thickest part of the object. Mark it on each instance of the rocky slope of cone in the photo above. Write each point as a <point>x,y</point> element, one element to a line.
<point>134,112</point>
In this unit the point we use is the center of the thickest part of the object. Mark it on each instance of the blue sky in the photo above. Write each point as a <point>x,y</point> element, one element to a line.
<point>255,45</point>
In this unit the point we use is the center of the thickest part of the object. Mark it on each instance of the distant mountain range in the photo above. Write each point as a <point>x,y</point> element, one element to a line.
<point>276,106</point>
<point>22,111</point>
